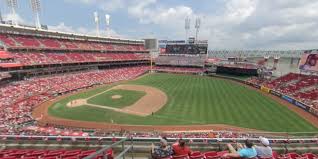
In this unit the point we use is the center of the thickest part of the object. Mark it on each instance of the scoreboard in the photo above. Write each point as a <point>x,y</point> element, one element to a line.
<point>192,49</point>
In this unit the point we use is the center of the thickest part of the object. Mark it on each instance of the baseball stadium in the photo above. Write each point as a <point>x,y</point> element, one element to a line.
<point>74,96</point>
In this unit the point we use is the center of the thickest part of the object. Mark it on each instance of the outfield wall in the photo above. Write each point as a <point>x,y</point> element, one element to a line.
<point>287,98</point>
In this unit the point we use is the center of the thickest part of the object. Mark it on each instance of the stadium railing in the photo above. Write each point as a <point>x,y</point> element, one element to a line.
<point>120,155</point>
<point>132,146</point>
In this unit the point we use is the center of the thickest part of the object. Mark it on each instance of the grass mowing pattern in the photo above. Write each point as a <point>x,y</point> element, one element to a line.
<point>128,97</point>
<point>198,100</point>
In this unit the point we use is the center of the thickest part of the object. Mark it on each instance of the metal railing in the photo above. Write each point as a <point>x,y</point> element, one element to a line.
<point>103,151</point>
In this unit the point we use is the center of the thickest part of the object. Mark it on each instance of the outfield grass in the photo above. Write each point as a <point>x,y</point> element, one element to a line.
<point>196,100</point>
<point>128,97</point>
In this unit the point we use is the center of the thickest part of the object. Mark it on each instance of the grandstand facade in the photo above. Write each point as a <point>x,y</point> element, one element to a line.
<point>30,52</point>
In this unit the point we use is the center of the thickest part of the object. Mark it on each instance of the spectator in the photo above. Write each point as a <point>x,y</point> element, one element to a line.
<point>243,152</point>
<point>264,151</point>
<point>180,148</point>
<point>164,150</point>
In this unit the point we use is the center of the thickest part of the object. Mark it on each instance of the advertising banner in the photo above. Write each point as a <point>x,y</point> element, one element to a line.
<point>265,89</point>
<point>275,93</point>
<point>302,105</point>
<point>288,99</point>
<point>257,86</point>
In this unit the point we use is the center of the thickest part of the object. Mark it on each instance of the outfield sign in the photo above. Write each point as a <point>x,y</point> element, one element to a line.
<point>296,103</point>
<point>265,89</point>
<point>301,105</point>
<point>275,93</point>
<point>288,99</point>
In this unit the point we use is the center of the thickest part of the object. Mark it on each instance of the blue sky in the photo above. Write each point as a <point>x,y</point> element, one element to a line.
<point>227,24</point>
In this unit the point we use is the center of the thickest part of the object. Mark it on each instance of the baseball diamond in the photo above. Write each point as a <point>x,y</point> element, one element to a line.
<point>192,100</point>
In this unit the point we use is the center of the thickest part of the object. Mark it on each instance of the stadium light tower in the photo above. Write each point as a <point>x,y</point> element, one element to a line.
<point>197,27</point>
<point>107,18</point>
<point>1,20</point>
<point>36,8</point>
<point>12,4</point>
<point>187,27</point>
<point>96,18</point>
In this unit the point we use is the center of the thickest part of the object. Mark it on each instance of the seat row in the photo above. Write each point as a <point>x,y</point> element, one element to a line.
<point>22,41</point>
<point>50,154</point>
<point>218,155</point>
<point>179,69</point>
<point>75,57</point>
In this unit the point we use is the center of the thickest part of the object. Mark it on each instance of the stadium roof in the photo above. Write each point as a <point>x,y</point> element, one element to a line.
<point>5,28</point>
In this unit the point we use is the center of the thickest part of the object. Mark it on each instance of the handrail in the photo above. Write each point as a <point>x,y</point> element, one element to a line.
<point>105,148</point>
<point>124,152</point>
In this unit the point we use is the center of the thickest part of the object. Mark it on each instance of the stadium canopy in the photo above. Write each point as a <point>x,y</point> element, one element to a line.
<point>9,29</point>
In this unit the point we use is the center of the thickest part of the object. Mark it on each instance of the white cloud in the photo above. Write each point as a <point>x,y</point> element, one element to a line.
<point>12,17</point>
<point>239,10</point>
<point>112,5</point>
<point>83,1</point>
<point>238,24</point>
<point>81,30</point>
<point>277,24</point>
<point>106,5</point>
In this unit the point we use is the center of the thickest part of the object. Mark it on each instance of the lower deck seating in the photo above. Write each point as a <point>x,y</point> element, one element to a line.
<point>18,98</point>
<point>304,88</point>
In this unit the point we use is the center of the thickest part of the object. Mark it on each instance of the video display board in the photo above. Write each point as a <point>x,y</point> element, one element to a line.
<point>309,61</point>
<point>186,49</point>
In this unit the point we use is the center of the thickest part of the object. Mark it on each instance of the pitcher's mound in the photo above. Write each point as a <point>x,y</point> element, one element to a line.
<point>76,103</point>
<point>116,96</point>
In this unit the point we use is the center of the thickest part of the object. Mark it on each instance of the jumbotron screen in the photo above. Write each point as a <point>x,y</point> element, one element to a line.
<point>186,49</point>
<point>309,61</point>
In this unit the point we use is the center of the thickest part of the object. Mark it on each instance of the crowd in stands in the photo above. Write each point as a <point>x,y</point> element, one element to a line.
<point>18,98</point>
<point>179,69</point>
<point>302,87</point>
<point>75,57</point>
<point>255,80</point>
<point>4,75</point>
<point>203,135</point>
<point>180,60</point>
<point>259,150</point>
<point>21,41</point>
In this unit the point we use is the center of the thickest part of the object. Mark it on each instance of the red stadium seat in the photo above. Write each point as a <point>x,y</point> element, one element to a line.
<point>308,156</point>
<point>211,154</point>
<point>292,155</point>
<point>195,153</point>
<point>181,157</point>
<point>275,154</point>
<point>200,156</point>
<point>222,153</point>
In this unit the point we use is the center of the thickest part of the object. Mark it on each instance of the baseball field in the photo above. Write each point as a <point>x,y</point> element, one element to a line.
<point>169,99</point>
